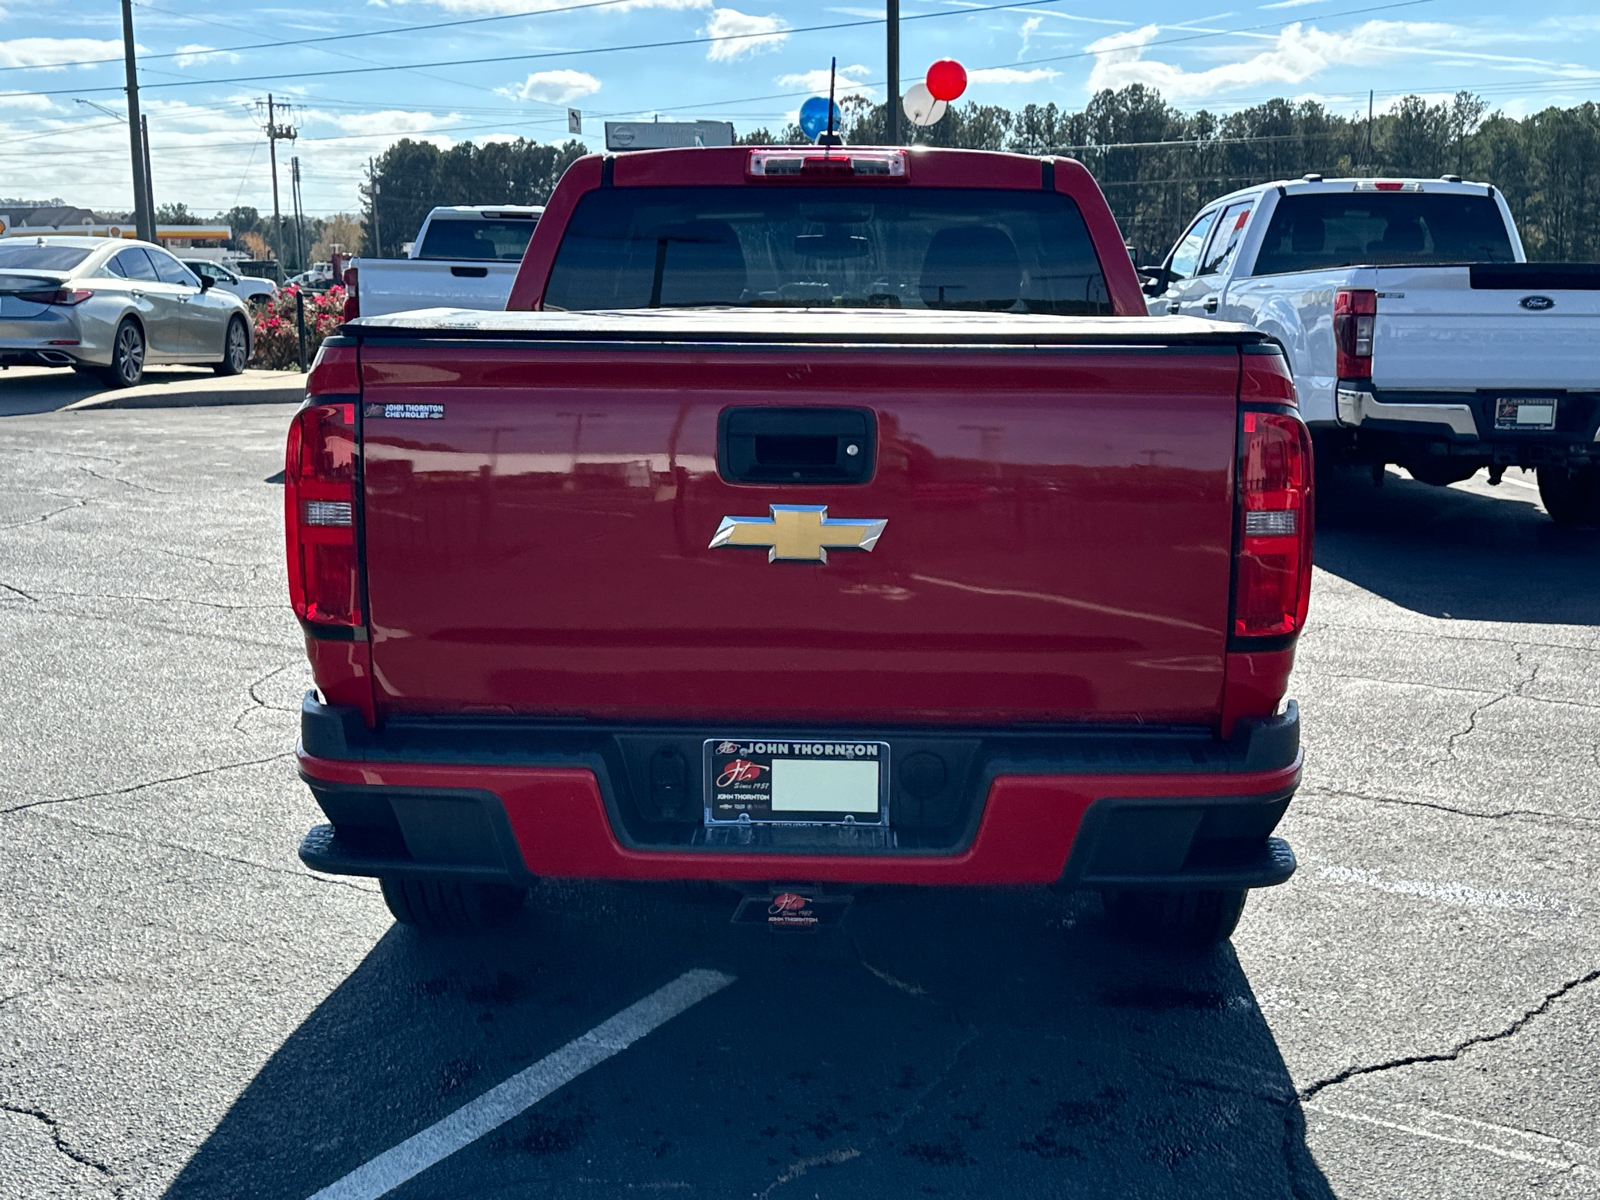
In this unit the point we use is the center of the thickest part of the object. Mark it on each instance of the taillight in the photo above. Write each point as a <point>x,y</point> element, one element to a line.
<point>1272,573</point>
<point>320,514</point>
<point>1354,317</point>
<point>352,296</point>
<point>64,297</point>
<point>832,161</point>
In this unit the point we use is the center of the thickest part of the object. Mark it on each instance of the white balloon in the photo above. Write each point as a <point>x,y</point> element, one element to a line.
<point>920,106</point>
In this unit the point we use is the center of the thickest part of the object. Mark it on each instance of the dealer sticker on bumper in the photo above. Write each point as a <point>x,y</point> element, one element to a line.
<point>1525,412</point>
<point>796,780</point>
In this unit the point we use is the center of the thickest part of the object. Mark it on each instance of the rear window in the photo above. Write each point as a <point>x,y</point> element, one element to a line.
<point>45,258</point>
<point>828,247</point>
<point>502,240</point>
<point>1341,230</point>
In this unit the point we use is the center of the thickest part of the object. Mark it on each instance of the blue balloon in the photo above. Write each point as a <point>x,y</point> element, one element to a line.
<point>814,116</point>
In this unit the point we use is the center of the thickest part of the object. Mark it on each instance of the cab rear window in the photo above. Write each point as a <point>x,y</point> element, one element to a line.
<point>486,241</point>
<point>831,247</point>
<point>1310,232</point>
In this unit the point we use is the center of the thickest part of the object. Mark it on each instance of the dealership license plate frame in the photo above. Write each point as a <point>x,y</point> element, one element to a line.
<point>776,795</point>
<point>1508,413</point>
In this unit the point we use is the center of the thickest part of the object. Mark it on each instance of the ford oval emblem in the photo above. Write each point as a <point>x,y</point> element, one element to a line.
<point>1537,303</point>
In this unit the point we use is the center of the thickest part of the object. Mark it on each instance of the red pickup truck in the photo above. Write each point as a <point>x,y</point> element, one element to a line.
<point>812,519</point>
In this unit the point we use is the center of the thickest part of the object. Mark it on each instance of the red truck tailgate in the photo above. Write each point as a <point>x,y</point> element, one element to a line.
<point>542,491</point>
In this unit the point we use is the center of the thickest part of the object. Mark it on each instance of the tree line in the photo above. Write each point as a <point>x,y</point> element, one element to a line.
<point>1158,165</point>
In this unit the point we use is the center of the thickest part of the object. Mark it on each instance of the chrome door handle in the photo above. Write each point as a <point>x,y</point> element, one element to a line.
<point>1211,304</point>
<point>137,295</point>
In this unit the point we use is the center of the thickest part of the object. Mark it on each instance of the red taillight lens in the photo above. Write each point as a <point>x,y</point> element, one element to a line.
<point>1272,575</point>
<point>320,515</point>
<point>64,297</point>
<point>1354,318</point>
<point>352,294</point>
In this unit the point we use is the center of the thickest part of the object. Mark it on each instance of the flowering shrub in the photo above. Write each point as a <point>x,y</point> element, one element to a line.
<point>277,334</point>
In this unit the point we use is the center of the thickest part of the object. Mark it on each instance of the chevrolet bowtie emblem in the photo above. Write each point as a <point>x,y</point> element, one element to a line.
<point>798,532</point>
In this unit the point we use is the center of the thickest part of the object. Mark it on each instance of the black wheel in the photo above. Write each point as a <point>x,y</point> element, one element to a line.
<point>127,356</point>
<point>235,348</point>
<point>1571,495</point>
<point>1177,919</point>
<point>445,906</point>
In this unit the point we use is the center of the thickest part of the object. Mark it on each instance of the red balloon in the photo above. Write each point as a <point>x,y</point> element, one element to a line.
<point>947,79</point>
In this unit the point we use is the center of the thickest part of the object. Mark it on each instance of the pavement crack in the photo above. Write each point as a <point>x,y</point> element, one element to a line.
<point>43,517</point>
<point>20,592</point>
<point>149,783</point>
<point>1502,814</point>
<point>125,482</point>
<point>217,604</point>
<point>257,703</point>
<point>1455,1052</point>
<point>61,1144</point>
<point>800,1166</point>
<point>1472,723</point>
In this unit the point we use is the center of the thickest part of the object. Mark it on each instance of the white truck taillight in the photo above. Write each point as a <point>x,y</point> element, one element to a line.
<point>352,293</point>
<point>319,480</point>
<point>1355,315</point>
<point>1272,569</point>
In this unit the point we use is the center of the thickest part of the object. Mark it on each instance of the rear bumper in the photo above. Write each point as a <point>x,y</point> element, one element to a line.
<point>1403,426</point>
<point>516,801</point>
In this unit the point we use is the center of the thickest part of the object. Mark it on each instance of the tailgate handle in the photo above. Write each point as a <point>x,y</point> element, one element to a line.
<point>797,445</point>
<point>1211,304</point>
<point>470,272</point>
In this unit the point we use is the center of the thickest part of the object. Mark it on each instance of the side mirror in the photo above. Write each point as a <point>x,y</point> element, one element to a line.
<point>206,283</point>
<point>1155,280</point>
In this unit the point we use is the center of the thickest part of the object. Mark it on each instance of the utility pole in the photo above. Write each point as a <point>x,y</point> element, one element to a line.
<point>299,240</point>
<point>373,190</point>
<point>275,133</point>
<point>149,179</point>
<point>891,112</point>
<point>143,217</point>
<point>1368,163</point>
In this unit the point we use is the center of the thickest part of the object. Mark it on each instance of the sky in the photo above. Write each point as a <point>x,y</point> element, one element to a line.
<point>374,75</point>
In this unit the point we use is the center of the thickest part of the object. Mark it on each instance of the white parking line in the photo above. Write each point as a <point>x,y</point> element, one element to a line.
<point>524,1089</point>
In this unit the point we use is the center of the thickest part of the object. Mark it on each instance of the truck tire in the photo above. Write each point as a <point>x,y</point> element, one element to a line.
<point>446,906</point>
<point>1174,919</point>
<point>1571,495</point>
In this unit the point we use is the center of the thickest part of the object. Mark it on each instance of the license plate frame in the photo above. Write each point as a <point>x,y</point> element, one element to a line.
<point>1509,413</point>
<point>796,781</point>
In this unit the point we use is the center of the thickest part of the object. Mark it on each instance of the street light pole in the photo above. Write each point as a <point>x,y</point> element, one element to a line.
<point>891,112</point>
<point>143,218</point>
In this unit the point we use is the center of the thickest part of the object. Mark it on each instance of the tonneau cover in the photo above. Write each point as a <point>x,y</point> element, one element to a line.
<point>770,325</point>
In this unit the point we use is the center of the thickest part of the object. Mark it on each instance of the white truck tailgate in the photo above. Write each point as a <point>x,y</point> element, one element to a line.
<point>401,285</point>
<point>1437,332</point>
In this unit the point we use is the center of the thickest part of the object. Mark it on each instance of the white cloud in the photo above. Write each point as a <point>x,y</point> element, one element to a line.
<point>1005,75</point>
<point>553,87</point>
<point>753,34</point>
<point>849,80</point>
<point>1297,54</point>
<point>54,52</point>
<point>189,55</point>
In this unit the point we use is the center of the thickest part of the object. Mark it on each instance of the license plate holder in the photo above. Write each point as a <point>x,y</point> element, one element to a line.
<point>1525,412</point>
<point>796,781</point>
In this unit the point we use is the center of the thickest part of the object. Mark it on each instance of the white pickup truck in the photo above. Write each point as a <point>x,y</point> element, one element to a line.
<point>1417,332</point>
<point>465,256</point>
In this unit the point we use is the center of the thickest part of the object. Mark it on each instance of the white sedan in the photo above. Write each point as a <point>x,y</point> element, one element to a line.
<point>110,307</point>
<point>247,287</point>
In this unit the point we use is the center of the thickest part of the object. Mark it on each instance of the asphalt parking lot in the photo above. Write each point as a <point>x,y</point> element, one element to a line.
<point>185,1011</point>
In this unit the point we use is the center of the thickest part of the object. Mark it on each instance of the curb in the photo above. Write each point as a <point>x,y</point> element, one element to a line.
<point>290,389</point>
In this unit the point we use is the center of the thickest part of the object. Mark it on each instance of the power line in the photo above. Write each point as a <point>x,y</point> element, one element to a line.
<point>549,54</point>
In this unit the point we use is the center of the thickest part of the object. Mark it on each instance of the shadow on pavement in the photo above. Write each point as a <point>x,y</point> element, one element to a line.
<point>971,1044</point>
<point>1460,552</point>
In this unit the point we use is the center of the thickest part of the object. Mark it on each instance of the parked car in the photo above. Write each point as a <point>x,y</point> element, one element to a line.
<point>113,307</point>
<point>464,257</point>
<point>319,278</point>
<point>852,525</point>
<point>246,287</point>
<point>1417,332</point>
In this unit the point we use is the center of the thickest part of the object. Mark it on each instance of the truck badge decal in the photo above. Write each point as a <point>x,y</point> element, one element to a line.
<point>405,412</point>
<point>1537,303</point>
<point>798,533</point>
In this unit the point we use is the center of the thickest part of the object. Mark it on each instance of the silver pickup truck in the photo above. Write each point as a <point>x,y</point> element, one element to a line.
<point>1416,330</point>
<point>465,256</point>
